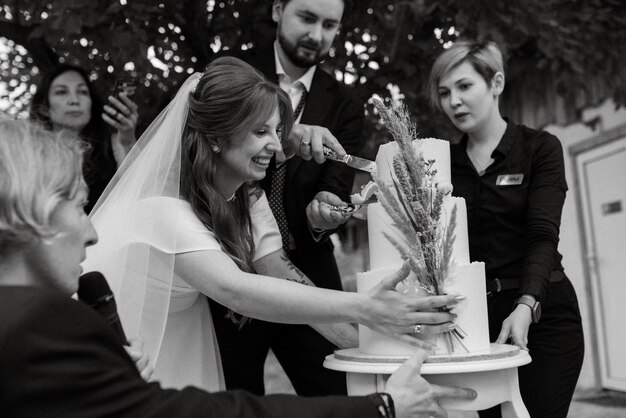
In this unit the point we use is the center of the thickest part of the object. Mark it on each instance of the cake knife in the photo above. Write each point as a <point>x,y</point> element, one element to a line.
<point>351,161</point>
<point>353,207</point>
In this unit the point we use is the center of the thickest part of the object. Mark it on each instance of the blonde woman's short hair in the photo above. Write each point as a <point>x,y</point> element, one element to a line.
<point>485,57</point>
<point>38,169</point>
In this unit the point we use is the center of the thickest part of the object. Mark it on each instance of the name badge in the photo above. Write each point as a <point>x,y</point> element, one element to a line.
<point>509,179</point>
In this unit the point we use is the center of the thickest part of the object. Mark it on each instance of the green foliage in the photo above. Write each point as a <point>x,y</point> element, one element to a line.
<point>161,43</point>
<point>566,43</point>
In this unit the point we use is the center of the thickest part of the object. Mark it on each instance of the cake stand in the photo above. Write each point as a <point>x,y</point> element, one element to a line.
<point>492,375</point>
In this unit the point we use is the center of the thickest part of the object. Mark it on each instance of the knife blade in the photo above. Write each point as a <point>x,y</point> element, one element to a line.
<point>351,161</point>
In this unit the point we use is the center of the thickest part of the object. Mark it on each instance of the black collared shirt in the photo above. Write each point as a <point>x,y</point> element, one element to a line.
<point>514,220</point>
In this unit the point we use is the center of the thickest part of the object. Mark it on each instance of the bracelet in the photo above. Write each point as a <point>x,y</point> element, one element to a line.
<point>384,404</point>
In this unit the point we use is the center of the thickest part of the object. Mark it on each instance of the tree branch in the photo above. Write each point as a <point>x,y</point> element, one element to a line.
<point>196,32</point>
<point>399,14</point>
<point>43,56</point>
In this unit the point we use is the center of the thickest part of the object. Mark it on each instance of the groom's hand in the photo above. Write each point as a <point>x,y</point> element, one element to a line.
<point>307,141</point>
<point>322,212</point>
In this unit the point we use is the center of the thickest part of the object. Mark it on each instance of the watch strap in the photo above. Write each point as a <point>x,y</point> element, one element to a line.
<point>532,303</point>
<point>384,404</point>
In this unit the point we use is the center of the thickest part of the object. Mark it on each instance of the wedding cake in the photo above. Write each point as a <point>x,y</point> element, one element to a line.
<point>396,235</point>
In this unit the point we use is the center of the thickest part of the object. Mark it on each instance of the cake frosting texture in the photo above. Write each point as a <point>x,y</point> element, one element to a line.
<point>463,277</point>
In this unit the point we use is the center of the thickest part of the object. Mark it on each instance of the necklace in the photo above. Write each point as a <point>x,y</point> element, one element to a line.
<point>480,168</point>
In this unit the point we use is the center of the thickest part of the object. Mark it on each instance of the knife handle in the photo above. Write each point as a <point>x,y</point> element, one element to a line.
<point>332,155</point>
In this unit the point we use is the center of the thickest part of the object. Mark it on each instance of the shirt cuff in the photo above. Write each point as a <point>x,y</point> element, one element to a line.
<point>317,234</point>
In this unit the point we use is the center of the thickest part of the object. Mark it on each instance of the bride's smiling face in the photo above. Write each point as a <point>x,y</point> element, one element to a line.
<point>247,158</point>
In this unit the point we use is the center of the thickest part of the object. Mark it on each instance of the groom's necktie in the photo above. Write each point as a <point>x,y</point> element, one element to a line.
<point>277,192</point>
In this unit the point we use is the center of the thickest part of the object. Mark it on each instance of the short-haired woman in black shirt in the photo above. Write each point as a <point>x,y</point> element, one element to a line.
<point>513,181</point>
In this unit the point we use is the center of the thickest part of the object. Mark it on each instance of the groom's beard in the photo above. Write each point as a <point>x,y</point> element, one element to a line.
<point>303,58</point>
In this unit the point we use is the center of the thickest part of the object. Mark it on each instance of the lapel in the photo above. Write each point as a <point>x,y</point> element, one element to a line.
<point>315,111</point>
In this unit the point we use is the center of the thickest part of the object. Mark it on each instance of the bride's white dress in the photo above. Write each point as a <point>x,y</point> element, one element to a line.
<point>142,226</point>
<point>185,352</point>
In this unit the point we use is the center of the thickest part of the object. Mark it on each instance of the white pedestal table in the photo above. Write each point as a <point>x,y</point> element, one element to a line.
<point>492,375</point>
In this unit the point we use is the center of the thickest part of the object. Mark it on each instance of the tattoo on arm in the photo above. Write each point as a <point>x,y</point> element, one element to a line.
<point>281,267</point>
<point>301,277</point>
<point>300,280</point>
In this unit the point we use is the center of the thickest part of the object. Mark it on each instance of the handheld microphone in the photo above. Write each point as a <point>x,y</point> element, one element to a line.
<point>93,290</point>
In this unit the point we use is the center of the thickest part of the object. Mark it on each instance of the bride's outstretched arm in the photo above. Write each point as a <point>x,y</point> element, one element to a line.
<point>382,309</point>
<point>277,264</point>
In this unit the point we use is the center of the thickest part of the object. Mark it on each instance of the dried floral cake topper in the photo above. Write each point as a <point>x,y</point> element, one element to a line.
<point>413,201</point>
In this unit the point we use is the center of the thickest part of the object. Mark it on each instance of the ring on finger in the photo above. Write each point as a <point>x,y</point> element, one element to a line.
<point>417,329</point>
<point>305,144</point>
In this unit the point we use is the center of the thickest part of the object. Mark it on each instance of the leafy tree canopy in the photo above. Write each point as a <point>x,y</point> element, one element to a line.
<point>384,47</point>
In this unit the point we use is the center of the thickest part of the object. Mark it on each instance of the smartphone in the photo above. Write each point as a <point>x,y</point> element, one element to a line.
<point>126,85</point>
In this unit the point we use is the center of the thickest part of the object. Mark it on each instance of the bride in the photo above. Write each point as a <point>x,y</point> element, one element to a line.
<point>181,219</point>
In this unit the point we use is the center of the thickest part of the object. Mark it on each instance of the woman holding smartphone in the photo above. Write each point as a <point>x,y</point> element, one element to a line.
<point>66,98</point>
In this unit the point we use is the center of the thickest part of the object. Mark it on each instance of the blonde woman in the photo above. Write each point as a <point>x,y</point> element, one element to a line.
<point>513,181</point>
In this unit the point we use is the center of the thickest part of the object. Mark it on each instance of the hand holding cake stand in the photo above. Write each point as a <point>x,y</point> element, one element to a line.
<point>489,369</point>
<point>492,375</point>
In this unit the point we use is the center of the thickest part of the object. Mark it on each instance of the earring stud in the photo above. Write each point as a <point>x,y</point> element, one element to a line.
<point>215,149</point>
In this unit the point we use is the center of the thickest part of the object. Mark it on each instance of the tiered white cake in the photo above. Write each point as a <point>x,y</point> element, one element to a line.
<point>464,278</point>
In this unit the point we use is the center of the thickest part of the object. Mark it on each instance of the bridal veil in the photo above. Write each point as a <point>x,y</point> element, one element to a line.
<point>137,246</point>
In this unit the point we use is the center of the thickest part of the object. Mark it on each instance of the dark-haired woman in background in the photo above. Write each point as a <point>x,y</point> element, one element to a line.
<point>513,181</point>
<point>66,98</point>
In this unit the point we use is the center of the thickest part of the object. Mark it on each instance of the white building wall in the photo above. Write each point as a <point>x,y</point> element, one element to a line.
<point>571,239</point>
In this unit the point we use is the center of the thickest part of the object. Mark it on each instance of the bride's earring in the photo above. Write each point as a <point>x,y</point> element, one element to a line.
<point>215,148</point>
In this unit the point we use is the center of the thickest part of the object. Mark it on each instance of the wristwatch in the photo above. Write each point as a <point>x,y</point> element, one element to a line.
<point>534,305</point>
<point>384,404</point>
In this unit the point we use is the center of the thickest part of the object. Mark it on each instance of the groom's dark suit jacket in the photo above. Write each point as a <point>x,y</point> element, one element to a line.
<point>334,106</point>
<point>59,359</point>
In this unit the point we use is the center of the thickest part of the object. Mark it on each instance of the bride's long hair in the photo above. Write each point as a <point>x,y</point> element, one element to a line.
<point>230,98</point>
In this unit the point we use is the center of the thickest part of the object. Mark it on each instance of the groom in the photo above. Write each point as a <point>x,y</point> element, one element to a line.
<point>299,193</point>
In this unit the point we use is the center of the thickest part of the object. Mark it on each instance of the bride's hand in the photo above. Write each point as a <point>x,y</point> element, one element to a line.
<point>397,315</point>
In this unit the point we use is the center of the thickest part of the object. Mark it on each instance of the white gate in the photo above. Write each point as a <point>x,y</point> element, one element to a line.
<point>602,175</point>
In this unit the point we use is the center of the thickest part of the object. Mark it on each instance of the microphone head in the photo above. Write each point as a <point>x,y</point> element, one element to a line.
<point>93,287</point>
<point>94,291</point>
